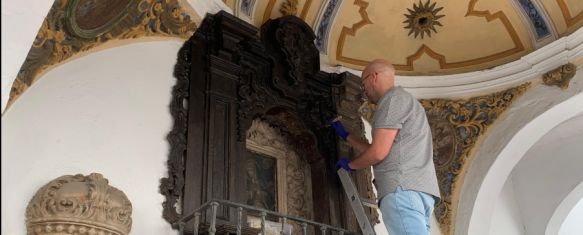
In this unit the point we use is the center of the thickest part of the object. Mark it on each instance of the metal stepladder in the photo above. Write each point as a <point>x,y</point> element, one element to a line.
<point>357,203</point>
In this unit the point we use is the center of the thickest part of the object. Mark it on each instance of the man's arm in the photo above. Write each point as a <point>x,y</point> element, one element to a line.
<point>382,141</point>
<point>357,143</point>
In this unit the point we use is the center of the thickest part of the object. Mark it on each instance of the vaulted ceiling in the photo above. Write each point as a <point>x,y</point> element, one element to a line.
<point>424,37</point>
<point>420,37</point>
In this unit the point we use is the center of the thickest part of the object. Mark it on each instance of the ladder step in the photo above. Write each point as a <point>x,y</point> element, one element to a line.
<point>369,203</point>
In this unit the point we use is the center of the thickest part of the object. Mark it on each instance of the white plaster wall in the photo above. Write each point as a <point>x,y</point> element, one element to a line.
<point>107,113</point>
<point>548,172</point>
<point>507,219</point>
<point>533,115</point>
<point>21,21</point>
<point>572,225</point>
<point>568,214</point>
<point>208,7</point>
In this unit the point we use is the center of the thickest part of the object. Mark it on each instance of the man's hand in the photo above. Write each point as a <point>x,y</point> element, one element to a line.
<point>343,163</point>
<point>339,128</point>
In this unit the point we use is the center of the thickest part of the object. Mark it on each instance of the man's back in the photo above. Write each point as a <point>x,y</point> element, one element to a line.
<point>409,163</point>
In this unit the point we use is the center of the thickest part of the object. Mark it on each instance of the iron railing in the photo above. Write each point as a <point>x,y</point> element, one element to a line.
<point>215,203</point>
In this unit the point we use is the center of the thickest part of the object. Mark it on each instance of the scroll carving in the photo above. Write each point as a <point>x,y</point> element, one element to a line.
<point>224,85</point>
<point>72,27</point>
<point>173,185</point>
<point>299,55</point>
<point>560,76</point>
<point>289,7</point>
<point>456,127</point>
<point>79,205</point>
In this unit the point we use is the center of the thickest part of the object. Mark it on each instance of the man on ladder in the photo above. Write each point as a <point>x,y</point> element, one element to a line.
<point>401,153</point>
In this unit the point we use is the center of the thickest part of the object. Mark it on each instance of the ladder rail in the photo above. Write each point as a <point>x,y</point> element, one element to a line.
<point>356,202</point>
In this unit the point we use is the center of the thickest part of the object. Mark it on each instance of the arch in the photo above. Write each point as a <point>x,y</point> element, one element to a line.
<point>22,35</point>
<point>295,131</point>
<point>562,211</point>
<point>292,173</point>
<point>477,219</point>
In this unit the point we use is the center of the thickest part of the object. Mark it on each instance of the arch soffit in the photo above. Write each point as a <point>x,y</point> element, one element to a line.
<point>479,193</point>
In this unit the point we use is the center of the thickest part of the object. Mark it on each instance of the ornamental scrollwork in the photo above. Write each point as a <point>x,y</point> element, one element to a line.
<point>560,76</point>
<point>289,7</point>
<point>77,204</point>
<point>173,185</point>
<point>68,31</point>
<point>456,126</point>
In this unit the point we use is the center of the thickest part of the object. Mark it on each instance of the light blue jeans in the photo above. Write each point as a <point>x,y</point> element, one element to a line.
<point>407,212</point>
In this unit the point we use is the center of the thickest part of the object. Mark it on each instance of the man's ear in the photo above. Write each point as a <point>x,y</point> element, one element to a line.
<point>374,77</point>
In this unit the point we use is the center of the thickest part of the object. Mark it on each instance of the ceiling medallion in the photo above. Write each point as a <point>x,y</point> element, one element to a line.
<point>423,18</point>
<point>90,18</point>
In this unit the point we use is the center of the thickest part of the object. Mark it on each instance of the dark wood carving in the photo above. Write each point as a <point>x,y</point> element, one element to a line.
<point>351,100</point>
<point>172,187</point>
<point>228,76</point>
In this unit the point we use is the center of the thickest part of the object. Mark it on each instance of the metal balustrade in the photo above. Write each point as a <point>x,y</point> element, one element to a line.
<point>215,203</point>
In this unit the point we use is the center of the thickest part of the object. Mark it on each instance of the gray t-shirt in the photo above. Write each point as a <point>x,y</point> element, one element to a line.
<point>410,160</point>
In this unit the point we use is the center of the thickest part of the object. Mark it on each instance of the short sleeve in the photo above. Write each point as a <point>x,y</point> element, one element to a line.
<point>391,113</point>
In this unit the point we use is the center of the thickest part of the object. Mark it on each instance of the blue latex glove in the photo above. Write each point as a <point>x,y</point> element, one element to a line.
<point>340,131</point>
<point>343,163</point>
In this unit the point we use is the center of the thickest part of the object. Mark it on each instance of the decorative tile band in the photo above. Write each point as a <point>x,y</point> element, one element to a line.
<point>247,7</point>
<point>323,29</point>
<point>536,20</point>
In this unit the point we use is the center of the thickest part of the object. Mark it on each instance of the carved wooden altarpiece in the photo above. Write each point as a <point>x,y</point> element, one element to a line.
<point>230,75</point>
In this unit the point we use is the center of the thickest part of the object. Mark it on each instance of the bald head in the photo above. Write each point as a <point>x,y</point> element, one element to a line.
<point>377,78</point>
<point>380,66</point>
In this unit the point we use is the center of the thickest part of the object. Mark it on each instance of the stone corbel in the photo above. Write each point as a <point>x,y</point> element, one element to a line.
<point>560,76</point>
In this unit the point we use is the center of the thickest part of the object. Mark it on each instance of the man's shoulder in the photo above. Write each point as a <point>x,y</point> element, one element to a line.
<point>399,90</point>
<point>402,95</point>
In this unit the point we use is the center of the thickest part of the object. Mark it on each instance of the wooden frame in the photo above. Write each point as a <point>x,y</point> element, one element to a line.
<point>226,78</point>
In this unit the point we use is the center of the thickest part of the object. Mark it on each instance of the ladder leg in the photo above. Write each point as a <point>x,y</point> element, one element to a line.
<point>355,202</point>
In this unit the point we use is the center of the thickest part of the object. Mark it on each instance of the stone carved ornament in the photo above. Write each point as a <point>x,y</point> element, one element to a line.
<point>560,76</point>
<point>79,205</point>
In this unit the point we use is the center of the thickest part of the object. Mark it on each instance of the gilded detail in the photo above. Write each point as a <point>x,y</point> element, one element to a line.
<point>289,7</point>
<point>560,76</point>
<point>423,19</point>
<point>63,34</point>
<point>366,110</point>
<point>456,127</point>
<point>89,19</point>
